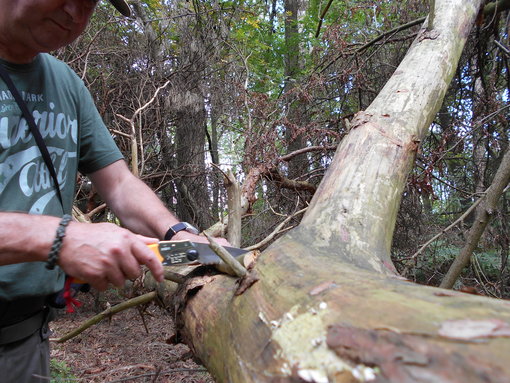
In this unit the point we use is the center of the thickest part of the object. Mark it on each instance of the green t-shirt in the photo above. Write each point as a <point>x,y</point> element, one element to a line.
<point>77,140</point>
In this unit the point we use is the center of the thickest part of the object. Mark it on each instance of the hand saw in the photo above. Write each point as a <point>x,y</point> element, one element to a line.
<point>173,253</point>
<point>170,253</point>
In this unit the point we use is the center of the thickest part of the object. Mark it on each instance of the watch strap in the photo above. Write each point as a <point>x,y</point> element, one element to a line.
<point>174,230</point>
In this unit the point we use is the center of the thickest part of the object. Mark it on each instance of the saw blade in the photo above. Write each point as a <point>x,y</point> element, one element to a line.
<point>172,253</point>
<point>207,256</point>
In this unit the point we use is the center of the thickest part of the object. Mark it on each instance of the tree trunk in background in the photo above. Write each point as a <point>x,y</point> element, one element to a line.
<point>193,204</point>
<point>328,306</point>
<point>153,41</point>
<point>296,115</point>
<point>188,100</point>
<point>215,159</point>
<point>480,138</point>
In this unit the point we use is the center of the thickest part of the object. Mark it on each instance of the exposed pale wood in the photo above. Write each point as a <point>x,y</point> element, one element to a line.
<point>237,268</point>
<point>234,209</point>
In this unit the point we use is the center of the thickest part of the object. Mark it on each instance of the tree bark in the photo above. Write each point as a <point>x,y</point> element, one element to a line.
<point>328,305</point>
<point>188,101</point>
<point>192,199</point>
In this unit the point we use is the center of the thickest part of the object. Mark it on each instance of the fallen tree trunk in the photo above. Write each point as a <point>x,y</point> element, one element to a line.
<point>328,306</point>
<point>322,320</point>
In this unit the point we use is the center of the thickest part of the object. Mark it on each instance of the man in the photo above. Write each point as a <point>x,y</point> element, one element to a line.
<point>30,212</point>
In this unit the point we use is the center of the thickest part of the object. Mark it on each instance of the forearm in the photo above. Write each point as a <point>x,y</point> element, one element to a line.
<point>136,205</point>
<point>141,211</point>
<point>26,237</point>
<point>99,253</point>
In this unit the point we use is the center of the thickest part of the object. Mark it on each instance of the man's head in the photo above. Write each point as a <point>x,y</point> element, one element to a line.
<point>29,27</point>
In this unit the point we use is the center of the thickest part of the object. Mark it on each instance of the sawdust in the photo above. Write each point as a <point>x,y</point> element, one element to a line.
<point>130,347</point>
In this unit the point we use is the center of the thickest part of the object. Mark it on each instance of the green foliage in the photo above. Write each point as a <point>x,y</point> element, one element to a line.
<point>431,266</point>
<point>489,263</point>
<point>60,372</point>
<point>438,256</point>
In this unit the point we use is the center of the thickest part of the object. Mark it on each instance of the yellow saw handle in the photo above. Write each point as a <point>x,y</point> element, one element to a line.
<point>155,249</point>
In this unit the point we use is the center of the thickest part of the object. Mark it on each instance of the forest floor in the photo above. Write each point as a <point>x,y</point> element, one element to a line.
<point>124,348</point>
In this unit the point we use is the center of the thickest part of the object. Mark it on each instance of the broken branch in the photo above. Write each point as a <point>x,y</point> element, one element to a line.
<point>238,269</point>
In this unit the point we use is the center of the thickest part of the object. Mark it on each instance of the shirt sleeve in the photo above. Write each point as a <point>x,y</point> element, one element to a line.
<point>96,146</point>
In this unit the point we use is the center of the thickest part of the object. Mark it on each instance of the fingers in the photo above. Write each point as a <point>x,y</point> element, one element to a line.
<point>145,256</point>
<point>147,240</point>
<point>102,254</point>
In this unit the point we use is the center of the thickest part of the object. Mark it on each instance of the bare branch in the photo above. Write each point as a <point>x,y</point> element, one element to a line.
<point>444,231</point>
<point>238,269</point>
<point>275,232</point>
<point>109,313</point>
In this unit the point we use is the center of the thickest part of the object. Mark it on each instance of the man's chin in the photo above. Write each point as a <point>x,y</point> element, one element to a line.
<point>47,48</point>
<point>48,41</point>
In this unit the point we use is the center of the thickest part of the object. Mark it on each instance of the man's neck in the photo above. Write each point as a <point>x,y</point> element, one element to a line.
<point>15,55</point>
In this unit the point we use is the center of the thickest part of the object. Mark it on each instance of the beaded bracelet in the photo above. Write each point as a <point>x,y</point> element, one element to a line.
<point>57,243</point>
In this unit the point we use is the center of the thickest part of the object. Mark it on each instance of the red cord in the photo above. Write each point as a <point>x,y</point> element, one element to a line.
<point>69,299</point>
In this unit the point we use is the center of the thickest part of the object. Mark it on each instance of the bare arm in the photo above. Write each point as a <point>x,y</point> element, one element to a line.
<point>25,238</point>
<point>137,206</point>
<point>28,238</point>
<point>99,254</point>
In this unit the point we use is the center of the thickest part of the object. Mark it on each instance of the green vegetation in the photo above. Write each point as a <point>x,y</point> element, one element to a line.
<point>60,372</point>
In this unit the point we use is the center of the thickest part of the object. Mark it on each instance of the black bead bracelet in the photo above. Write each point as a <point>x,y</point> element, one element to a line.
<point>57,243</point>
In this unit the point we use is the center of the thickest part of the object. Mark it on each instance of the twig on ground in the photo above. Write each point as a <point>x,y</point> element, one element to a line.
<point>109,313</point>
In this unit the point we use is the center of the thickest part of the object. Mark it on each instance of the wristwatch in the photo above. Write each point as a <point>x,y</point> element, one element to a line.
<point>180,227</point>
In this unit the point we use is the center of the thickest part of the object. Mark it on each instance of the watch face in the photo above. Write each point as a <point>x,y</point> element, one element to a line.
<point>184,226</point>
<point>180,227</point>
<point>190,229</point>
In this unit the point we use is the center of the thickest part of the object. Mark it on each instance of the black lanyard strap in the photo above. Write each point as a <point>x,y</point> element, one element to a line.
<point>35,132</point>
